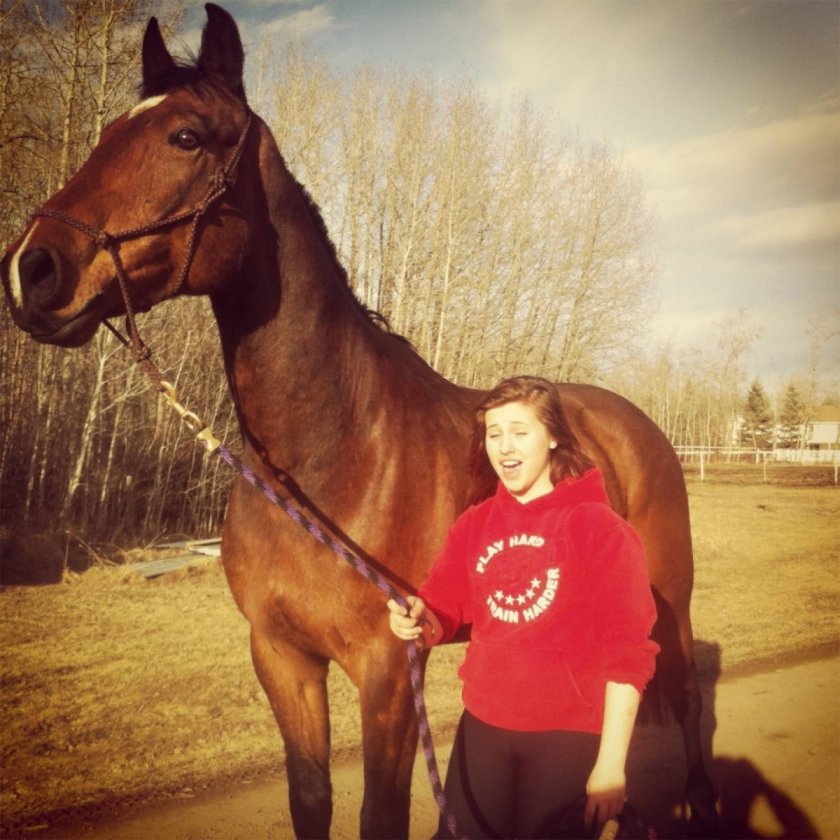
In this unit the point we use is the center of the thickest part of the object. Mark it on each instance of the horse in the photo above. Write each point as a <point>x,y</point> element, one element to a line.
<point>332,407</point>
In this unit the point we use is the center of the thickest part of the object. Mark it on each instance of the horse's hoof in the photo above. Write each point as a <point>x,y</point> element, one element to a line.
<point>705,823</point>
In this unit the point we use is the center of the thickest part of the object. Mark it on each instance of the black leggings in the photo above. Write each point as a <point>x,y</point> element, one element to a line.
<point>503,783</point>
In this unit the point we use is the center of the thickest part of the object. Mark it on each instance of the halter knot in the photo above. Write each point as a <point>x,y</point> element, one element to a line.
<point>141,351</point>
<point>103,239</point>
<point>220,180</point>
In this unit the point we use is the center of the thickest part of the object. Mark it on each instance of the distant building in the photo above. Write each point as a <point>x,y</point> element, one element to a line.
<point>822,431</point>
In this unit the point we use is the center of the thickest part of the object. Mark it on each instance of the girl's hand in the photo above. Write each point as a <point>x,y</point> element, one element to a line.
<point>407,625</point>
<point>606,791</point>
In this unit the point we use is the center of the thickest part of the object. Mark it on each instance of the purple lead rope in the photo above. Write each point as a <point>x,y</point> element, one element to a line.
<point>382,583</point>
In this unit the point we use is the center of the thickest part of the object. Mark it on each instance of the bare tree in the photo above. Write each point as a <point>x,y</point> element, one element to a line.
<point>492,247</point>
<point>493,243</point>
<point>822,330</point>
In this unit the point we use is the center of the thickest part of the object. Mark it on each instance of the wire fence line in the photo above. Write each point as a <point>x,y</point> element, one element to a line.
<point>769,461</point>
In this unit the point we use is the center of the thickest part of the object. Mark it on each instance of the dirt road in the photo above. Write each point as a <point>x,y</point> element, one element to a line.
<point>776,743</point>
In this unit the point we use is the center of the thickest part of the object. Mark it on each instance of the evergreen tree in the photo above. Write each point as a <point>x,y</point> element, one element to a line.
<point>757,429</point>
<point>791,418</point>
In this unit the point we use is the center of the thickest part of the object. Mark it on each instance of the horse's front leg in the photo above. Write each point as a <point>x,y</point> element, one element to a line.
<point>295,683</point>
<point>389,738</point>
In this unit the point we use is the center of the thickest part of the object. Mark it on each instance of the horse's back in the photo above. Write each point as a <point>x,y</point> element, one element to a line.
<point>644,480</point>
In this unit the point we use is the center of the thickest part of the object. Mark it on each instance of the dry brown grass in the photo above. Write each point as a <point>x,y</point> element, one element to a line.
<point>114,686</point>
<point>767,569</point>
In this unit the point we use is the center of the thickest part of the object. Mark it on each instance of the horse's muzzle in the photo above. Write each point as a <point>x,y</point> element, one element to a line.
<point>32,280</point>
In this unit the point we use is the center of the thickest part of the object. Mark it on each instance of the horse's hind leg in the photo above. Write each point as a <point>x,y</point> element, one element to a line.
<point>667,537</point>
<point>389,736</point>
<point>677,677</point>
<point>700,792</point>
<point>295,683</point>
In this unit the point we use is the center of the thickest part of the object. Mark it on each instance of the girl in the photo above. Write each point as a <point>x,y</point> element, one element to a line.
<point>555,586</point>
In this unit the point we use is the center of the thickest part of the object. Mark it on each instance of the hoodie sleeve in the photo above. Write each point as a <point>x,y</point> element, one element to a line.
<point>446,591</point>
<point>623,604</point>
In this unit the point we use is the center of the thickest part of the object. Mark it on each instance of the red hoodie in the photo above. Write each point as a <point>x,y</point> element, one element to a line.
<point>556,590</point>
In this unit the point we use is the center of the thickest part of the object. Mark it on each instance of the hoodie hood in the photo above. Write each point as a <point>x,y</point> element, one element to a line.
<point>590,487</point>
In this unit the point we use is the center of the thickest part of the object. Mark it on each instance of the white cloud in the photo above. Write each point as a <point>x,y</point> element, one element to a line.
<point>239,5</point>
<point>573,57</point>
<point>785,227</point>
<point>281,20</point>
<point>798,154</point>
<point>750,216</point>
<point>766,185</point>
<point>300,25</point>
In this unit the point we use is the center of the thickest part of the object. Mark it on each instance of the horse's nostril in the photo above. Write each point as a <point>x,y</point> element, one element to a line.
<point>38,275</point>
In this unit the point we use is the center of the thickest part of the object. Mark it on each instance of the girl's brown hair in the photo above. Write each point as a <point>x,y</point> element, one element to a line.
<point>567,459</point>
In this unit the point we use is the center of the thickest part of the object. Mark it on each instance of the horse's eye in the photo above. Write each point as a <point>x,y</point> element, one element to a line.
<point>186,139</point>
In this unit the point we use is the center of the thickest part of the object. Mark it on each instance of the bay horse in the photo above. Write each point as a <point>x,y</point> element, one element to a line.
<point>328,402</point>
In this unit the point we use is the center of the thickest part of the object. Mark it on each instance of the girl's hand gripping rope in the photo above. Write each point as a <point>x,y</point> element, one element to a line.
<point>417,623</point>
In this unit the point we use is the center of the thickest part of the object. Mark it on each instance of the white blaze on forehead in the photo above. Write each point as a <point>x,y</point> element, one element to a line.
<point>14,269</point>
<point>146,104</point>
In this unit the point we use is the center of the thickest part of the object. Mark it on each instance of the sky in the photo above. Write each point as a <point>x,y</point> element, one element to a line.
<point>728,110</point>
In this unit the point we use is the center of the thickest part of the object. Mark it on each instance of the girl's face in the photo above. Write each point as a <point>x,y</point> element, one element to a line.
<point>519,448</point>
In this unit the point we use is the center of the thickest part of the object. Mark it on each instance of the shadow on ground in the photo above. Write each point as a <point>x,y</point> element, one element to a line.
<point>656,773</point>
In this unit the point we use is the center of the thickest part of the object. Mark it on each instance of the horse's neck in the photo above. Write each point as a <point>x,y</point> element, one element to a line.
<point>299,351</point>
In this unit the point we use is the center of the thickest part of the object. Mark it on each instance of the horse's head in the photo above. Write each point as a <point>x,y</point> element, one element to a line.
<point>129,210</point>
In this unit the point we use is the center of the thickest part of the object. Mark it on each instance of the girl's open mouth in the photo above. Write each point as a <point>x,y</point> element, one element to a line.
<point>510,468</point>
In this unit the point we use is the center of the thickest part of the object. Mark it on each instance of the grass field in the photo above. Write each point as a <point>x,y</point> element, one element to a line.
<point>113,686</point>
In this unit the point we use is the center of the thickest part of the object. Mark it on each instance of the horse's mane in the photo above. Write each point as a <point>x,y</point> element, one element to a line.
<point>377,319</point>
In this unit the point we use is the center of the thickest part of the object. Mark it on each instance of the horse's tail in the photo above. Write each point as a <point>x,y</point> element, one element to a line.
<point>656,707</point>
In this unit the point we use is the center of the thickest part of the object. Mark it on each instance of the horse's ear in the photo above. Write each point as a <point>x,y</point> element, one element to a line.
<point>158,64</point>
<point>221,54</point>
